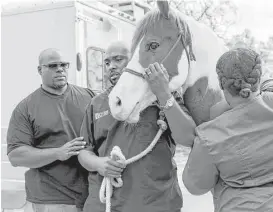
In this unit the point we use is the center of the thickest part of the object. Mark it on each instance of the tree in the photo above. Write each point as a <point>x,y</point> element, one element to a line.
<point>247,40</point>
<point>219,15</point>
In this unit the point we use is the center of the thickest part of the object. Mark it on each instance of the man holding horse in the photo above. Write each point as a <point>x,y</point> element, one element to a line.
<point>149,184</point>
<point>136,102</point>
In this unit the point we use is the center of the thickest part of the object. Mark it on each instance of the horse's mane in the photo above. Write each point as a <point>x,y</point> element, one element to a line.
<point>154,16</point>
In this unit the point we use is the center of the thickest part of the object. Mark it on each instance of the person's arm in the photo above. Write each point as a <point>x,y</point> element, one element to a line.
<point>200,174</point>
<point>31,157</point>
<point>180,122</point>
<point>89,160</point>
<point>20,144</point>
<point>105,166</point>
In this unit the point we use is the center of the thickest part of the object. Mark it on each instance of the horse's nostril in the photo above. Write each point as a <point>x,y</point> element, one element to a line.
<point>118,103</point>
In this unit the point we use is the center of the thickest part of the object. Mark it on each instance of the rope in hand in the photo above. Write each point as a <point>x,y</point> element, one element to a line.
<point>106,189</point>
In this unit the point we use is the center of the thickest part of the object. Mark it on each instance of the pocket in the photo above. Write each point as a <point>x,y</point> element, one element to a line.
<point>102,126</point>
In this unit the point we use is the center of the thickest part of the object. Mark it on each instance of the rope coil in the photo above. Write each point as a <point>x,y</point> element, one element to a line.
<point>106,189</point>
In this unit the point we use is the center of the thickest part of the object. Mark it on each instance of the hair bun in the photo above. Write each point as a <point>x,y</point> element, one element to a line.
<point>245,92</point>
<point>239,71</point>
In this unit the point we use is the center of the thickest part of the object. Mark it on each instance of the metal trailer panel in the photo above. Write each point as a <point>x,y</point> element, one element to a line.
<point>72,27</point>
<point>24,36</point>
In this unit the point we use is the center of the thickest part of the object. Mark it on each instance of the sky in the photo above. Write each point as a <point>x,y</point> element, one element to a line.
<point>256,15</point>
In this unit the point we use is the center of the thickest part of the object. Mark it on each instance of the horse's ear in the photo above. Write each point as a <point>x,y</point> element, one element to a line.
<point>164,8</point>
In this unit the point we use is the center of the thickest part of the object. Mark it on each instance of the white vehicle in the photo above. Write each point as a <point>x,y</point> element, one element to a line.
<point>81,30</point>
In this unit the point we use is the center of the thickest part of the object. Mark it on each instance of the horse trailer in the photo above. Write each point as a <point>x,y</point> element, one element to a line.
<point>81,30</point>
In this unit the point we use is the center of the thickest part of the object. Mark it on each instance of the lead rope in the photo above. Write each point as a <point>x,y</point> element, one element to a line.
<point>106,189</point>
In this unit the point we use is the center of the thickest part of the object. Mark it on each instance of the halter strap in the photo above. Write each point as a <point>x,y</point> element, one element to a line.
<point>134,72</point>
<point>190,55</point>
<point>167,55</point>
<point>174,45</point>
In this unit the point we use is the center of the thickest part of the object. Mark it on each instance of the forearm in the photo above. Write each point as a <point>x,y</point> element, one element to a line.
<point>88,160</point>
<point>181,124</point>
<point>190,184</point>
<point>32,157</point>
<point>200,174</point>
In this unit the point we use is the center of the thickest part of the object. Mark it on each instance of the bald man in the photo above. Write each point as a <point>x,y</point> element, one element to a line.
<point>43,135</point>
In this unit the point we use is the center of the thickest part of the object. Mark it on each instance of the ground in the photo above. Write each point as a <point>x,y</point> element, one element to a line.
<point>191,203</point>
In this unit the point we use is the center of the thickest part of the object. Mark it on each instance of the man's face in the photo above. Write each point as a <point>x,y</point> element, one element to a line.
<point>53,70</point>
<point>115,61</point>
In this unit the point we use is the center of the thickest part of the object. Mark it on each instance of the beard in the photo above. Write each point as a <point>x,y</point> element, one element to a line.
<point>113,81</point>
<point>59,85</point>
<point>114,77</point>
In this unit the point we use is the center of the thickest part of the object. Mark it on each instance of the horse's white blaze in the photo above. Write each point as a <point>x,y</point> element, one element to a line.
<point>134,62</point>
<point>134,98</point>
<point>127,94</point>
<point>180,79</point>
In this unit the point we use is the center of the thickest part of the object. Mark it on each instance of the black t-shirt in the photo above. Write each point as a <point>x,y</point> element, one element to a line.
<point>151,183</point>
<point>44,120</point>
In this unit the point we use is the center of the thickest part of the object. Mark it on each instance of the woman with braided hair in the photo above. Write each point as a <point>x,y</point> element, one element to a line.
<point>232,154</point>
<point>265,83</point>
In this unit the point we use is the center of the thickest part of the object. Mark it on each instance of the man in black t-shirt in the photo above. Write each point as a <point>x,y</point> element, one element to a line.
<point>150,184</point>
<point>43,135</point>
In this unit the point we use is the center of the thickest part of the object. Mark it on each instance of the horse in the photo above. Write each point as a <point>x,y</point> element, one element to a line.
<point>188,50</point>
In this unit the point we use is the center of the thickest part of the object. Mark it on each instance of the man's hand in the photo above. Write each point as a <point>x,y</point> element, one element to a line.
<point>110,168</point>
<point>70,148</point>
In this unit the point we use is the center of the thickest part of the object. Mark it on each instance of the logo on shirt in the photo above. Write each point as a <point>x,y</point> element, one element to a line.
<point>101,114</point>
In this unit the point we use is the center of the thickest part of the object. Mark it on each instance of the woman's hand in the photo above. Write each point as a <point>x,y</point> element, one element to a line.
<point>158,80</point>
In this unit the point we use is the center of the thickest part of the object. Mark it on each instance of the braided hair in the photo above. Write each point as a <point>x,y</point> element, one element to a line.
<point>239,72</point>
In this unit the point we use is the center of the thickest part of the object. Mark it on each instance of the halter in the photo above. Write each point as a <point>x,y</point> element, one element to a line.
<point>167,55</point>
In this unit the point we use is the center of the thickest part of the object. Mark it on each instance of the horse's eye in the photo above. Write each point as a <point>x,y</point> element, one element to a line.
<point>153,46</point>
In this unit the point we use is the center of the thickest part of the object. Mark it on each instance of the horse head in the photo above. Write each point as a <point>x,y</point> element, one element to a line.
<point>189,52</point>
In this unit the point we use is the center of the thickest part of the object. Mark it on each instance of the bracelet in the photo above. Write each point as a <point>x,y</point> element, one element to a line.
<point>168,104</point>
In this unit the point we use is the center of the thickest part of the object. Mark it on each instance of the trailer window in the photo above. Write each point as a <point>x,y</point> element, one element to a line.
<point>96,79</point>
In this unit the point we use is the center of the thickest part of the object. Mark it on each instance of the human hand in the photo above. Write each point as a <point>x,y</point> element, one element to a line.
<point>70,148</point>
<point>110,168</point>
<point>158,80</point>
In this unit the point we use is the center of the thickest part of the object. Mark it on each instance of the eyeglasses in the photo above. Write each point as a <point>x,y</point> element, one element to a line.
<point>57,65</point>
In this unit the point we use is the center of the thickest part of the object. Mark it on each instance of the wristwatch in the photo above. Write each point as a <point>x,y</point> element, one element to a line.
<point>168,104</point>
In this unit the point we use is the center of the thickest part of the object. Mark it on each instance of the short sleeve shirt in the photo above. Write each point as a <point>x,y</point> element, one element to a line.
<point>149,184</point>
<point>44,120</point>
